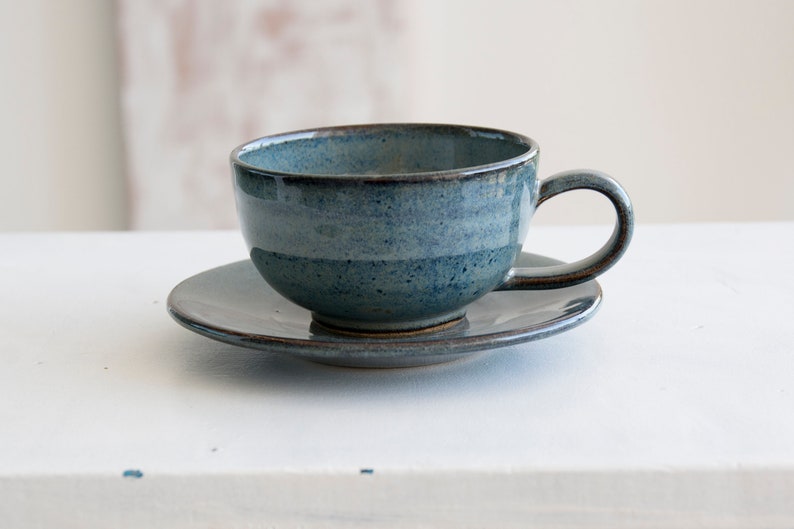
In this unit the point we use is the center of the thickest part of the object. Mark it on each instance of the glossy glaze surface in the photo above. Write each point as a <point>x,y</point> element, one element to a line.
<point>398,227</point>
<point>388,227</point>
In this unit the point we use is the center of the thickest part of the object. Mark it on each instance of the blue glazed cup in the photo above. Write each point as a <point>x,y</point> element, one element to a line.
<point>398,227</point>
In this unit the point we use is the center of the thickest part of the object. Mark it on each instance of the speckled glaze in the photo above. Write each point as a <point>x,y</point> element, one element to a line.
<point>392,228</point>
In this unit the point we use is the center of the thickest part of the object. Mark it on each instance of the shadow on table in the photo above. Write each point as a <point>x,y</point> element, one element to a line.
<point>533,363</point>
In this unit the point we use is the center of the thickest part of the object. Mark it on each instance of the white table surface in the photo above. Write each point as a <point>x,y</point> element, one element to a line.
<point>672,407</point>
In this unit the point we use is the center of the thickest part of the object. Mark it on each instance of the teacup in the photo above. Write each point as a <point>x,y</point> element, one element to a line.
<point>396,228</point>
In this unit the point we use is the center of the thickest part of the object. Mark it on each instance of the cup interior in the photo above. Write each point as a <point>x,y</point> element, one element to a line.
<point>384,150</point>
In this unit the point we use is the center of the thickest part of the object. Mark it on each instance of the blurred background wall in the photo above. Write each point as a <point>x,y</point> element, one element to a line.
<point>122,114</point>
<point>61,163</point>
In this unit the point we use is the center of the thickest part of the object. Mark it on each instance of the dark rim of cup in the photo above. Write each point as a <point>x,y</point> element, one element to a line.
<point>531,153</point>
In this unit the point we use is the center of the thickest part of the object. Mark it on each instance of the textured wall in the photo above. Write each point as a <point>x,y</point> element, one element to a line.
<point>200,77</point>
<point>688,104</point>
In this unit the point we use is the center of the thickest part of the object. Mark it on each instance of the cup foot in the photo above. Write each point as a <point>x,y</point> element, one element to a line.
<point>387,329</point>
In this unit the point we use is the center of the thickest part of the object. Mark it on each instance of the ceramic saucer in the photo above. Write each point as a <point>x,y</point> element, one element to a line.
<point>233,304</point>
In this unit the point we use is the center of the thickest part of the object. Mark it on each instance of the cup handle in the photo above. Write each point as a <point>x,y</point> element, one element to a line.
<point>565,275</point>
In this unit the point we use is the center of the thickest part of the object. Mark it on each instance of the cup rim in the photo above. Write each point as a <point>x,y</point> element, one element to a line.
<point>530,154</point>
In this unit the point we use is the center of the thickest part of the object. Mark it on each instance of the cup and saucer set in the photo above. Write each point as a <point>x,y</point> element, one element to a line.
<point>395,245</point>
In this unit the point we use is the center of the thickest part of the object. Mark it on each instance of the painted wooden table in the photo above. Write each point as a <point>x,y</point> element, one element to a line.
<point>672,407</point>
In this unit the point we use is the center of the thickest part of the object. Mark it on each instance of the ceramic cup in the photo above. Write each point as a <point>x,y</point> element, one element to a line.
<point>397,227</point>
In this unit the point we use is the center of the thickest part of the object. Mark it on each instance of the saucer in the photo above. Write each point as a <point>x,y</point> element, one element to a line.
<point>233,304</point>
